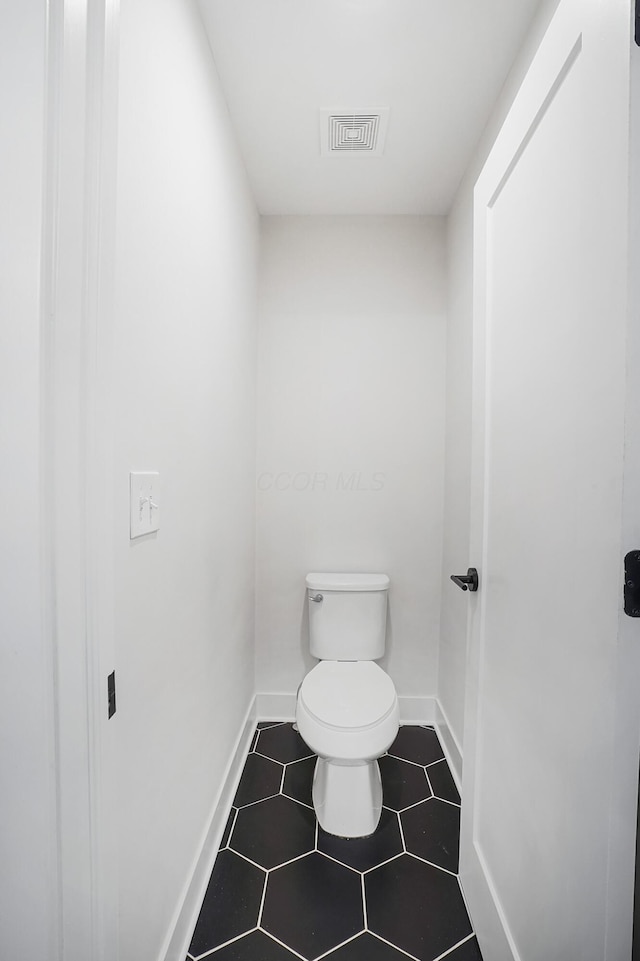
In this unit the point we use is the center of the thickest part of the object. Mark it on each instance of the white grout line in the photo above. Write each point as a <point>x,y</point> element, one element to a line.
<point>413,763</point>
<point>453,874</point>
<point>264,894</point>
<point>392,945</point>
<point>282,944</point>
<point>364,905</point>
<point>245,858</point>
<point>233,824</point>
<point>242,807</point>
<point>449,951</point>
<point>402,810</point>
<point>266,757</point>
<point>388,861</point>
<point>437,761</point>
<point>341,945</point>
<point>446,801</point>
<point>218,947</point>
<point>276,761</point>
<point>329,857</point>
<point>284,771</point>
<point>309,807</point>
<point>402,838</point>
<point>298,857</point>
<point>426,773</point>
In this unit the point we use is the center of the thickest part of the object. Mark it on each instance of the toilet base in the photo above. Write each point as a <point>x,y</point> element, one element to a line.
<point>347,796</point>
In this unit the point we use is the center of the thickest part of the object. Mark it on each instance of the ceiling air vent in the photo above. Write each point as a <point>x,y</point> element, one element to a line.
<point>353,133</point>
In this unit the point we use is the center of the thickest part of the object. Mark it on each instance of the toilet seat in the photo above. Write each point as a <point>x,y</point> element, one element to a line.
<point>348,695</point>
<point>347,711</point>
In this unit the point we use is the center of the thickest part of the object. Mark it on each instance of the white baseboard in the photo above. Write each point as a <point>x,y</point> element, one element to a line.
<point>276,707</point>
<point>186,915</point>
<point>417,710</point>
<point>449,742</point>
<point>282,707</point>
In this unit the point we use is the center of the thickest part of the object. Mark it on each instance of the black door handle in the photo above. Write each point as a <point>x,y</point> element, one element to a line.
<point>468,581</point>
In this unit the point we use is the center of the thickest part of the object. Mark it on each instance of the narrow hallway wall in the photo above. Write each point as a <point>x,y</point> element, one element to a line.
<point>185,406</point>
<point>350,431</point>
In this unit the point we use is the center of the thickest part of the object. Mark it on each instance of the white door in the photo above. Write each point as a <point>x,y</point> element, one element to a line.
<point>540,829</point>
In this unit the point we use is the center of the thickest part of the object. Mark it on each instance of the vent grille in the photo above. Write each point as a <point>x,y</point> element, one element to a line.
<point>353,132</point>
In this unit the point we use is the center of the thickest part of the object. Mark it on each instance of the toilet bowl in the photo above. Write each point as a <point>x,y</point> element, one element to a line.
<point>347,712</point>
<point>347,707</point>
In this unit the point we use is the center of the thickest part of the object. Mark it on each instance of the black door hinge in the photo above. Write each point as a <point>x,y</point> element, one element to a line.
<point>111,693</point>
<point>632,584</point>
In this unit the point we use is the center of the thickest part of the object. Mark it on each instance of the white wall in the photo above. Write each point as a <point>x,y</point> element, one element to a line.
<point>185,406</point>
<point>27,837</point>
<point>350,431</point>
<point>453,642</point>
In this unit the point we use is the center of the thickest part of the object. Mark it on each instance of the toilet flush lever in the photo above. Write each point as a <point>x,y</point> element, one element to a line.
<point>316,598</point>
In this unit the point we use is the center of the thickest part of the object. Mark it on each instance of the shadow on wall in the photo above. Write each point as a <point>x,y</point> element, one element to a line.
<point>307,658</point>
<point>388,647</point>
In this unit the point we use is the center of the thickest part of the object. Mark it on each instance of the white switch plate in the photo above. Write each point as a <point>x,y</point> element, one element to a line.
<point>144,500</point>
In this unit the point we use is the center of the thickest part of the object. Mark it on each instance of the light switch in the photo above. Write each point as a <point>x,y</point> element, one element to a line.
<point>144,503</point>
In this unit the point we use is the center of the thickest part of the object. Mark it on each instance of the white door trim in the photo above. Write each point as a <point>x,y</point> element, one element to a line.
<point>78,514</point>
<point>627,708</point>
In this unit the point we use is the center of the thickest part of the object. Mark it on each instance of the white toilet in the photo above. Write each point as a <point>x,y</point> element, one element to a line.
<point>347,707</point>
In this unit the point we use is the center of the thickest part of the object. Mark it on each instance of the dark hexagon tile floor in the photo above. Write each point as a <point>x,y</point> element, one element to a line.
<point>282,743</point>
<point>231,903</point>
<point>403,785</point>
<point>416,907</point>
<point>282,889</point>
<point>313,904</point>
<point>417,744</point>
<point>298,780</point>
<point>468,951</point>
<point>442,783</point>
<point>432,831</point>
<point>366,947</point>
<point>274,831</point>
<point>365,853</point>
<point>256,945</point>
<point>261,778</point>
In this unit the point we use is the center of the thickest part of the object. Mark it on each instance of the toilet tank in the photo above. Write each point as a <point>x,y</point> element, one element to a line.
<point>349,623</point>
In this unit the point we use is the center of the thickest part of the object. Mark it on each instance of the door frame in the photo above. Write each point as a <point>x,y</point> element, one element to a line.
<point>622,856</point>
<point>80,168</point>
<point>521,122</point>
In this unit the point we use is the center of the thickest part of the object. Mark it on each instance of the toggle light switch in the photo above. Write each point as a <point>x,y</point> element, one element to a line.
<point>144,502</point>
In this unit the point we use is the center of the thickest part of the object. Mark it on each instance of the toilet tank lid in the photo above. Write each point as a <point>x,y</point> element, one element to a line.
<point>347,582</point>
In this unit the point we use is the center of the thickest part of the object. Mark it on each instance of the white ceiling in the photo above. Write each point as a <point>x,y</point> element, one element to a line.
<point>437,64</point>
